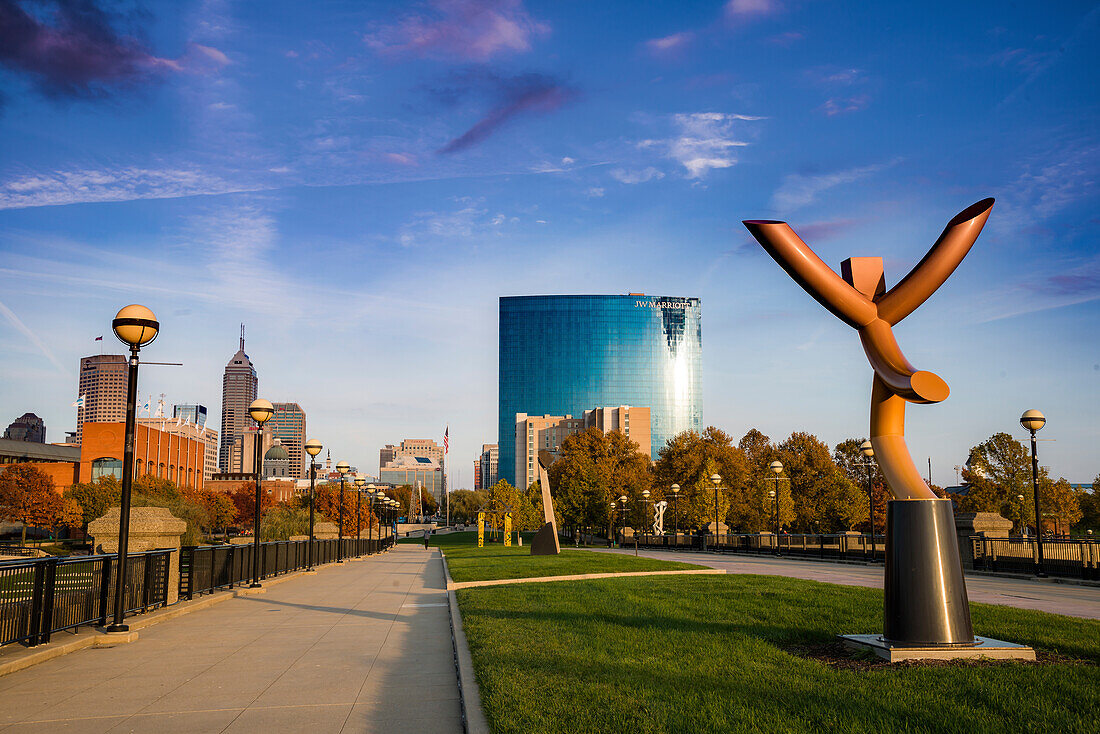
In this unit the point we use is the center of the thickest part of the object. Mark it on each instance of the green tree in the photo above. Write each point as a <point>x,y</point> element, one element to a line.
<point>281,522</point>
<point>1089,502</point>
<point>465,503</point>
<point>95,498</point>
<point>593,469</point>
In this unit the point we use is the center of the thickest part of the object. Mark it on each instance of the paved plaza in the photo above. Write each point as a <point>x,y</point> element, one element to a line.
<point>360,647</point>
<point>1060,598</point>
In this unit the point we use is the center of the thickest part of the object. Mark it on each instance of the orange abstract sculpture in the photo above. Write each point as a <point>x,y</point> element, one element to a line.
<point>860,299</point>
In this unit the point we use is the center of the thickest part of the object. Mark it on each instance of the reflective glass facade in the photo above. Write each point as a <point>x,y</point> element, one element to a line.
<point>562,355</point>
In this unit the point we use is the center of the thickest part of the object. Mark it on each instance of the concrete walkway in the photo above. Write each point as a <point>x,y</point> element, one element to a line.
<point>1068,599</point>
<point>363,646</point>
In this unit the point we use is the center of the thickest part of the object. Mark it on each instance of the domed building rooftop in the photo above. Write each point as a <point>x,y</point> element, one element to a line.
<point>277,452</point>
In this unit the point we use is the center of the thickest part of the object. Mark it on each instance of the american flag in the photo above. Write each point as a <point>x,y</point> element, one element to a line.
<point>446,440</point>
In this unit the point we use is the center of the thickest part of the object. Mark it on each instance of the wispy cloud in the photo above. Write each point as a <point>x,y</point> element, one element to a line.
<point>72,49</point>
<point>471,30</point>
<point>31,337</point>
<point>626,176</point>
<point>742,10</point>
<point>844,105</point>
<point>469,217</point>
<point>78,186</point>
<point>798,190</point>
<point>669,45</point>
<point>703,141</point>
<point>527,93</point>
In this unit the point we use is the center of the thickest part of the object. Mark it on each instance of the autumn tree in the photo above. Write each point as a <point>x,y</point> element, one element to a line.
<point>1089,502</point>
<point>860,471</point>
<point>27,496</point>
<point>244,499</point>
<point>824,498</point>
<point>689,459</point>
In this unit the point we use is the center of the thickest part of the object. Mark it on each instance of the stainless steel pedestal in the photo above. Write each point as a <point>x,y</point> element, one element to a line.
<point>925,593</point>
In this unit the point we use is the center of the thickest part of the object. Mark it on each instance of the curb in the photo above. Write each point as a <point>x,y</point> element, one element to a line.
<point>469,696</point>
<point>454,586</point>
<point>97,638</point>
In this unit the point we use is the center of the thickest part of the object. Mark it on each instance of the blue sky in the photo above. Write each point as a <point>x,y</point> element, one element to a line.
<point>358,182</point>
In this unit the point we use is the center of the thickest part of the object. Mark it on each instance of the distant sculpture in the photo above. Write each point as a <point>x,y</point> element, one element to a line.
<point>545,542</point>
<point>659,517</point>
<point>926,600</point>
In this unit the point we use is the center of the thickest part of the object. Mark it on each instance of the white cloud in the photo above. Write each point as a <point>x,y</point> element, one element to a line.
<point>798,190</point>
<point>79,186</point>
<point>625,176</point>
<point>595,192</point>
<point>705,141</point>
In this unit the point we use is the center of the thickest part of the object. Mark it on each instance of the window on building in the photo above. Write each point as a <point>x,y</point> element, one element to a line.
<point>106,467</point>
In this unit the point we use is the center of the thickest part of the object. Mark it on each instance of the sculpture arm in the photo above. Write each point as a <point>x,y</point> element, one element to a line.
<point>815,277</point>
<point>893,369</point>
<point>930,273</point>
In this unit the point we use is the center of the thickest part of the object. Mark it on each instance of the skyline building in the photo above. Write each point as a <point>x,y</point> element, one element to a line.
<point>239,384</point>
<point>490,465</point>
<point>477,473</point>
<point>424,448</point>
<point>288,425</point>
<point>562,355</point>
<point>27,427</point>
<point>101,391</point>
<point>536,433</point>
<point>191,412</point>
<point>411,470</point>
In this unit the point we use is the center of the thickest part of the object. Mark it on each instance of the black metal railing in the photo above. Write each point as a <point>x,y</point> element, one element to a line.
<point>1070,557</point>
<point>207,568</point>
<point>46,595</point>
<point>18,550</point>
<point>836,546</point>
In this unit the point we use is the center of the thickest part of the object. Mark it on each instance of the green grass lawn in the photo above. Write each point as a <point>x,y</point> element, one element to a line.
<point>470,563</point>
<point>729,653</point>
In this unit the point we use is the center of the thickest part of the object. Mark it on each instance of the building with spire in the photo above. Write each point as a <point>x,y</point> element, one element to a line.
<point>239,384</point>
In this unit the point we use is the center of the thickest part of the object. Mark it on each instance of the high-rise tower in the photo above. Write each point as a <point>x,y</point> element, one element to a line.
<point>238,391</point>
<point>288,424</point>
<point>102,396</point>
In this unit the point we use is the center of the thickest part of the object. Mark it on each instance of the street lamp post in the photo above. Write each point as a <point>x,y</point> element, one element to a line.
<point>611,527</point>
<point>1033,421</point>
<point>370,515</point>
<point>716,480</point>
<point>868,452</point>
<point>675,509</point>
<point>1023,521</point>
<point>134,326</point>
<point>777,469</point>
<point>622,512</point>
<point>313,447</point>
<point>359,483</point>
<point>260,410</point>
<point>645,515</point>
<point>343,468</point>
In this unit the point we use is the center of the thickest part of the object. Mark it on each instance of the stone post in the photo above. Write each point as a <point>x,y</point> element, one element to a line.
<point>151,528</point>
<point>324,531</point>
<point>985,524</point>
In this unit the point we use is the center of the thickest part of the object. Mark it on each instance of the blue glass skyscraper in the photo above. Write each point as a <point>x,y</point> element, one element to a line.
<point>562,355</point>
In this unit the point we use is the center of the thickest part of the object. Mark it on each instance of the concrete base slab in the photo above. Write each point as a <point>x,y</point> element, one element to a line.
<point>986,647</point>
<point>309,573</point>
<point>110,639</point>
<point>249,591</point>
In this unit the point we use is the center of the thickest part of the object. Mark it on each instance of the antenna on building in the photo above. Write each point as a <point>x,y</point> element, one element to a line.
<point>242,337</point>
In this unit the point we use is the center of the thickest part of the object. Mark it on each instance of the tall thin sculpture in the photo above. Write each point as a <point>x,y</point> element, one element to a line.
<point>925,599</point>
<point>545,542</point>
